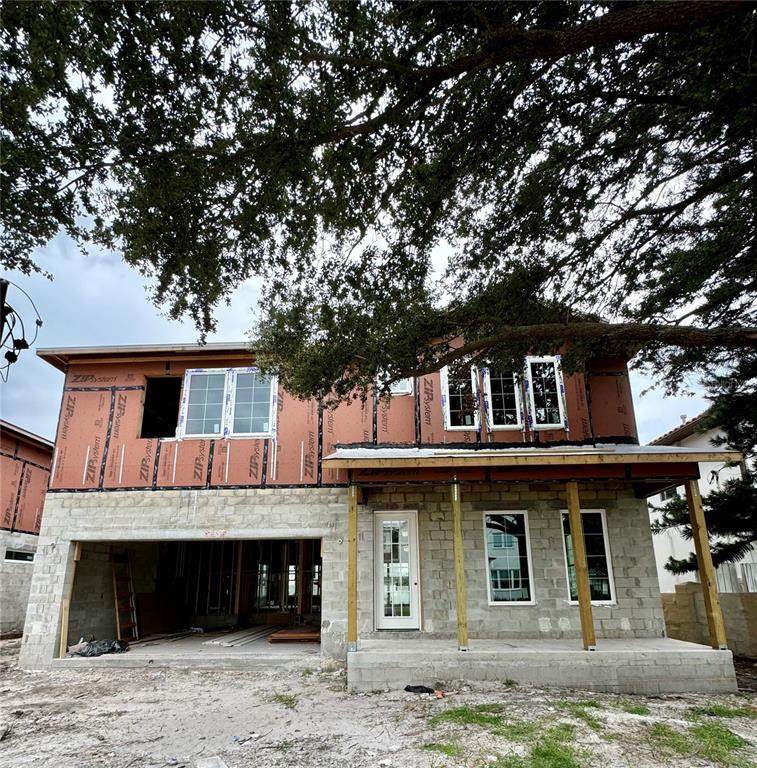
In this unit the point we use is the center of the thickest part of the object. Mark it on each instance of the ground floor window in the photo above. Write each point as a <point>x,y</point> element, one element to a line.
<point>508,557</point>
<point>597,557</point>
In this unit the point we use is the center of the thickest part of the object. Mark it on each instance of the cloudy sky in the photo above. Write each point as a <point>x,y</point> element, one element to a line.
<point>98,300</point>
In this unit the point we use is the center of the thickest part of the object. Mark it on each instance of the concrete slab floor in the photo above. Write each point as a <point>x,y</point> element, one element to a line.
<point>191,652</point>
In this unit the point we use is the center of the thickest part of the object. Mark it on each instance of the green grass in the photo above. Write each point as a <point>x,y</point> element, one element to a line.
<point>288,700</point>
<point>483,714</point>
<point>451,750</point>
<point>668,739</point>
<point>634,709</point>
<point>546,754</point>
<point>718,744</point>
<point>718,710</point>
<point>707,741</point>
<point>562,732</point>
<point>579,710</point>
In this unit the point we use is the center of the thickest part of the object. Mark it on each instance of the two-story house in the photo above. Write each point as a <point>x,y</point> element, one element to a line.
<point>489,525</point>
<point>25,460</point>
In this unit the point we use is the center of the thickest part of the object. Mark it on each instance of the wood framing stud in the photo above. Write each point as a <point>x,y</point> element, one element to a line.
<point>352,569</point>
<point>581,566</point>
<point>457,548</point>
<point>66,605</point>
<point>705,566</point>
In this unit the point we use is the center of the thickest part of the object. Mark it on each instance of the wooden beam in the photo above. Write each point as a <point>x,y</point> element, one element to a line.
<point>507,458</point>
<point>581,566</point>
<point>457,549</point>
<point>65,609</point>
<point>352,568</point>
<point>705,566</point>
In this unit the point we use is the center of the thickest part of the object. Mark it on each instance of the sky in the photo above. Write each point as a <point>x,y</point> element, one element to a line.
<point>97,300</point>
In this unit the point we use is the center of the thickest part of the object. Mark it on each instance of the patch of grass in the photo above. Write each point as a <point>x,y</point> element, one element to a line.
<point>509,683</point>
<point>307,672</point>
<point>288,700</point>
<point>562,732</point>
<point>451,750</point>
<point>482,714</point>
<point>668,739</point>
<point>284,746</point>
<point>518,730</point>
<point>546,754</point>
<point>578,709</point>
<point>718,710</point>
<point>717,743</point>
<point>635,709</point>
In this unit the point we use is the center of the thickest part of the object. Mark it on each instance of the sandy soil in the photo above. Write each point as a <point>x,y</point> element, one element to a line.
<point>124,718</point>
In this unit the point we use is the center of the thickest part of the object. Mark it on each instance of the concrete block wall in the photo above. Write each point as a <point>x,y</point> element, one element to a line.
<point>637,611</point>
<point>686,618</point>
<point>93,615</point>
<point>15,580</point>
<point>123,516</point>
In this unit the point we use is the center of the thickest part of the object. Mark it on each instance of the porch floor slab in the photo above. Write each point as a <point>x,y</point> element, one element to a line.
<point>634,665</point>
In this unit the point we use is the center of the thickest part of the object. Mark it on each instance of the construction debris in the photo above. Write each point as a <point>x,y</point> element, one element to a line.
<point>98,648</point>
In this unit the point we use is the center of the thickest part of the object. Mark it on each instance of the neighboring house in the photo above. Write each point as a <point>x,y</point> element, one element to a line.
<point>487,526</point>
<point>24,473</point>
<point>731,577</point>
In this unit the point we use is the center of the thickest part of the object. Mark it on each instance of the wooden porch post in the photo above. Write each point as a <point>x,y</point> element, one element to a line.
<point>581,566</point>
<point>352,568</point>
<point>705,566</point>
<point>457,549</point>
<point>66,604</point>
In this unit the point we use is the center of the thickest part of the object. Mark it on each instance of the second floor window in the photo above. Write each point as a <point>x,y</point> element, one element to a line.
<point>545,392</point>
<point>460,399</point>
<point>503,398</point>
<point>219,403</point>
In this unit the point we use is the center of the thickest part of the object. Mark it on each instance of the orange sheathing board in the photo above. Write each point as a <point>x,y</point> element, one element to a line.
<point>396,419</point>
<point>10,472</point>
<point>7,443</point>
<point>244,459</point>
<point>32,499</point>
<point>131,459</point>
<point>184,462</point>
<point>33,453</point>
<point>295,449</point>
<point>601,471</point>
<point>349,423</point>
<point>111,375</point>
<point>81,439</point>
<point>130,464</point>
<point>612,413</point>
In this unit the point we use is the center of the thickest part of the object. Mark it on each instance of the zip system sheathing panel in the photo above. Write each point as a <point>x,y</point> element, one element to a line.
<point>24,474</point>
<point>99,447</point>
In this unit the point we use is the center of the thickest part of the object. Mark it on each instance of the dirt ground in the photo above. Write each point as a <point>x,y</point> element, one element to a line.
<point>133,718</point>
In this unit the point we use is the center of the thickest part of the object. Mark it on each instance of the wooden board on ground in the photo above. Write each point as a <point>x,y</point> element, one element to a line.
<point>296,635</point>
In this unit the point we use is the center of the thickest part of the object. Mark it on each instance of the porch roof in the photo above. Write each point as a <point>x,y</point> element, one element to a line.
<point>381,457</point>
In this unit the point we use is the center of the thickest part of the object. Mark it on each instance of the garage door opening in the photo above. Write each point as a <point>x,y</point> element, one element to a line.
<point>228,594</point>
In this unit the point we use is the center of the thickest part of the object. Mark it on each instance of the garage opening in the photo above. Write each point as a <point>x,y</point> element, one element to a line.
<point>223,593</point>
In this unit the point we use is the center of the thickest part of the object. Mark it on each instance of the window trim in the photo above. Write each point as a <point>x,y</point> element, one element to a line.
<point>509,603</point>
<point>608,555</point>
<point>492,427</point>
<point>229,400</point>
<point>444,380</point>
<point>560,382</point>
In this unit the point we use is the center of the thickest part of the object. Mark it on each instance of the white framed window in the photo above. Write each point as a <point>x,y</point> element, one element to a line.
<point>224,402</point>
<point>401,387</point>
<point>509,576</point>
<point>601,582</point>
<point>545,387</point>
<point>504,402</point>
<point>460,399</point>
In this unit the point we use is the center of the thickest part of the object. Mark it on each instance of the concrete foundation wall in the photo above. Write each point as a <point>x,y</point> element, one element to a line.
<point>141,516</point>
<point>637,611</point>
<point>15,581</point>
<point>686,618</point>
<point>93,614</point>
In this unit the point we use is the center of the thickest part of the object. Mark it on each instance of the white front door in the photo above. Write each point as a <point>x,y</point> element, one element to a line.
<point>396,556</point>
